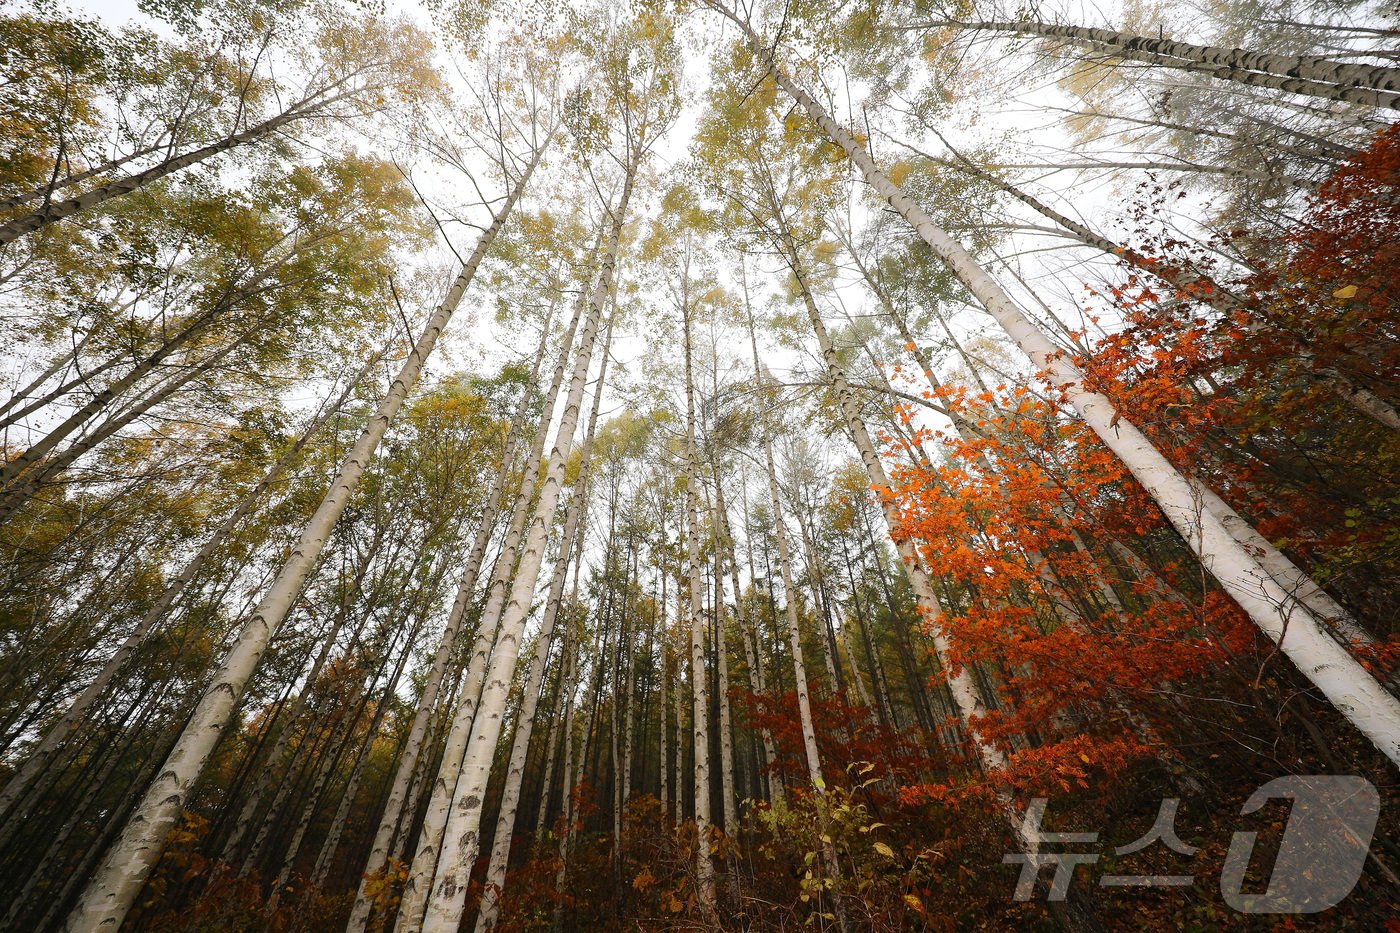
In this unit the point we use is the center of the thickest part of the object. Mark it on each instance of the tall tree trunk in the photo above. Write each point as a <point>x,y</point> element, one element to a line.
<point>95,776</point>
<point>462,841</point>
<point>570,547</point>
<point>914,677</point>
<point>313,746</point>
<point>58,391</point>
<point>679,662</point>
<point>418,886</point>
<point>726,733</point>
<point>347,798</point>
<point>1370,85</point>
<point>556,720</point>
<point>630,693</point>
<point>570,778</point>
<point>1193,284</point>
<point>620,655</point>
<point>883,705</point>
<point>725,543</point>
<point>58,734</point>
<point>19,486</point>
<point>1355,693</point>
<point>112,890</point>
<point>799,667</point>
<point>969,703</point>
<point>53,211</point>
<point>704,867</point>
<point>409,762</point>
<point>799,670</point>
<point>272,762</point>
<point>311,802</point>
<point>862,691</point>
<point>665,750</point>
<point>831,654</point>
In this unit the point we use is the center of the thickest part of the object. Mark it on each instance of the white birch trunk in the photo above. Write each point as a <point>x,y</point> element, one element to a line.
<point>1300,634</point>
<point>418,886</point>
<point>799,666</point>
<point>461,840</point>
<point>861,690</point>
<point>799,669</point>
<point>1190,280</point>
<point>725,541</point>
<point>52,742</point>
<point>665,704</point>
<point>960,684</point>
<point>570,547</point>
<point>427,700</point>
<point>569,780</point>
<point>1370,85</point>
<point>726,740</point>
<point>112,890</point>
<point>680,661</point>
<point>551,751</point>
<point>57,210</point>
<point>825,636</point>
<point>629,723</point>
<point>704,867</point>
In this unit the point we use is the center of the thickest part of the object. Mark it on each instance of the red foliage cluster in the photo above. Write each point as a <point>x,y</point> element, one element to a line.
<point>1059,577</point>
<point>1255,394</point>
<point>847,736</point>
<point>1019,527</point>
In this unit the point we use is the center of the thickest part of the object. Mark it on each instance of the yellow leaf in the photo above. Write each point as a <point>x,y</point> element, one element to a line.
<point>898,172</point>
<point>884,850</point>
<point>913,902</point>
<point>1346,291</point>
<point>1085,758</point>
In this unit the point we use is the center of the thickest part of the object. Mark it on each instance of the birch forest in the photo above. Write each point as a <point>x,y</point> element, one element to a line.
<point>750,465</point>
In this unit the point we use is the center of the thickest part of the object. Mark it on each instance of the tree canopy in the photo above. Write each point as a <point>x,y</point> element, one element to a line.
<point>698,464</point>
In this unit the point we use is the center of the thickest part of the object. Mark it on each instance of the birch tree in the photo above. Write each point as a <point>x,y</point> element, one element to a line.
<point>569,545</point>
<point>644,111</point>
<point>1299,634</point>
<point>1371,85</point>
<point>110,893</point>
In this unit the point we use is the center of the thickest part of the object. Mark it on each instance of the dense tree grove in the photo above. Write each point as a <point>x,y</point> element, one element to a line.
<point>699,464</point>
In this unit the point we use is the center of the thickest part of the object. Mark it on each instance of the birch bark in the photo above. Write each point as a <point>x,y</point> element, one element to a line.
<point>1195,284</point>
<point>112,890</point>
<point>1300,634</point>
<point>53,741</point>
<point>1371,85</point>
<point>54,211</point>
<point>755,675</point>
<point>461,840</point>
<point>362,908</point>
<point>569,548</point>
<point>418,886</point>
<point>704,867</point>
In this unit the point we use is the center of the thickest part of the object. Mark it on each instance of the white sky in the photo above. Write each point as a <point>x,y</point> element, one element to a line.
<point>473,340</point>
<point>484,345</point>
